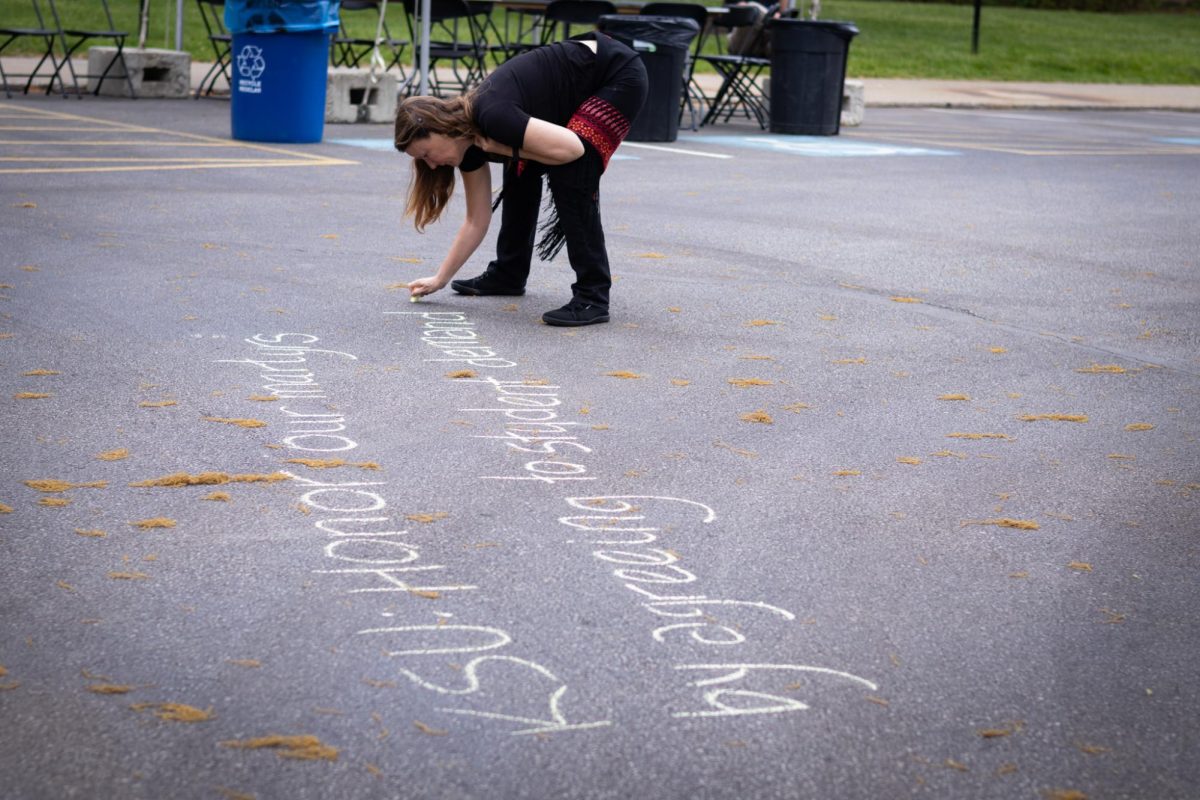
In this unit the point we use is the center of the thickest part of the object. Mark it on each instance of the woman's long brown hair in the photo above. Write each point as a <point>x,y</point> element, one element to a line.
<point>417,118</point>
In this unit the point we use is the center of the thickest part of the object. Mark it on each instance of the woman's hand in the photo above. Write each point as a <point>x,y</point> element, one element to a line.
<point>478,186</point>
<point>425,286</point>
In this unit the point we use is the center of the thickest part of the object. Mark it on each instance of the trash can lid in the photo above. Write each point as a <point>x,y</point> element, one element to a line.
<point>847,30</point>
<point>669,31</point>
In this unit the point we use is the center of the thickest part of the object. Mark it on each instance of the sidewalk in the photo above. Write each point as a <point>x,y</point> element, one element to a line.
<point>904,92</point>
<point>895,92</point>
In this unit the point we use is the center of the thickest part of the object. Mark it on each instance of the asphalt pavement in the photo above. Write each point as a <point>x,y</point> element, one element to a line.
<point>882,481</point>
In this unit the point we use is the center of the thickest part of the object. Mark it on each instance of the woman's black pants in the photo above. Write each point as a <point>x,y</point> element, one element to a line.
<point>575,189</point>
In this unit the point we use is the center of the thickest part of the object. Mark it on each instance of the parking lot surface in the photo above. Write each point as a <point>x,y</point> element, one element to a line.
<point>882,481</point>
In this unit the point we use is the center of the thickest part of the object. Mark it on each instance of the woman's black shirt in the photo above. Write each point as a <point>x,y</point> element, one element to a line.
<point>549,83</point>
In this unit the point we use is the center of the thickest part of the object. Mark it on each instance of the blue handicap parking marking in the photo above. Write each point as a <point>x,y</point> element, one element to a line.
<point>370,144</point>
<point>819,146</point>
<point>387,144</point>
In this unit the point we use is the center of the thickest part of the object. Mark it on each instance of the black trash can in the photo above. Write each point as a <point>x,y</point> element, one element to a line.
<point>663,43</point>
<point>808,75</point>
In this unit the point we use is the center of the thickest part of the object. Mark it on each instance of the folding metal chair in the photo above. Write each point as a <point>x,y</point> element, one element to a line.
<point>212,14</point>
<point>349,50</point>
<point>455,38</point>
<point>81,37</point>
<point>40,31</point>
<point>494,40</point>
<point>565,13</point>
<point>693,95</point>
<point>526,19</point>
<point>740,90</point>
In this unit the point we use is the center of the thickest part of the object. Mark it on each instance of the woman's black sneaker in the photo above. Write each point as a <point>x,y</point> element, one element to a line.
<point>576,313</point>
<point>485,284</point>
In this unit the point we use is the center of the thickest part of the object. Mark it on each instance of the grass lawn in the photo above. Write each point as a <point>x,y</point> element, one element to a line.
<point>897,40</point>
<point>911,40</point>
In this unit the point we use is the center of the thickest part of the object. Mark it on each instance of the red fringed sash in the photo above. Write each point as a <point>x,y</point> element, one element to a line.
<point>602,125</point>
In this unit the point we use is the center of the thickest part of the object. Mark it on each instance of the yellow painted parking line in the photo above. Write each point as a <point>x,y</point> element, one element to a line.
<point>259,155</point>
<point>193,136</point>
<point>1054,147</point>
<point>48,129</point>
<point>172,167</point>
<point>124,159</point>
<point>217,143</point>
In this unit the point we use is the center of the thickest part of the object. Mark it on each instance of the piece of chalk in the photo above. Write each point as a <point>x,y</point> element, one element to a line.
<point>412,298</point>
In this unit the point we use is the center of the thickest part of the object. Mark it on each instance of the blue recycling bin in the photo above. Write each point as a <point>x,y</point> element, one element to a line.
<point>280,59</point>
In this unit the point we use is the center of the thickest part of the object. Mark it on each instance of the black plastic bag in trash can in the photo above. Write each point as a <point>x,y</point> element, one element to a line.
<point>808,75</point>
<point>663,43</point>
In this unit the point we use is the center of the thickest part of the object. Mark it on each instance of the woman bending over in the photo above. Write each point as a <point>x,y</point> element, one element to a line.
<point>558,111</point>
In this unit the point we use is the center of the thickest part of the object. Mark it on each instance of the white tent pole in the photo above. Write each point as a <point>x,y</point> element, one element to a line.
<point>376,57</point>
<point>178,24</point>
<point>143,24</point>
<point>425,34</point>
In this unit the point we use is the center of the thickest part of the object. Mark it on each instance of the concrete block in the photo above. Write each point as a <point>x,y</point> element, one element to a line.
<point>853,103</point>
<point>155,73</point>
<point>351,97</point>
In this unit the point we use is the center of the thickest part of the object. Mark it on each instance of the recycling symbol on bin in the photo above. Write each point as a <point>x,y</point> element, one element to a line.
<point>250,62</point>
